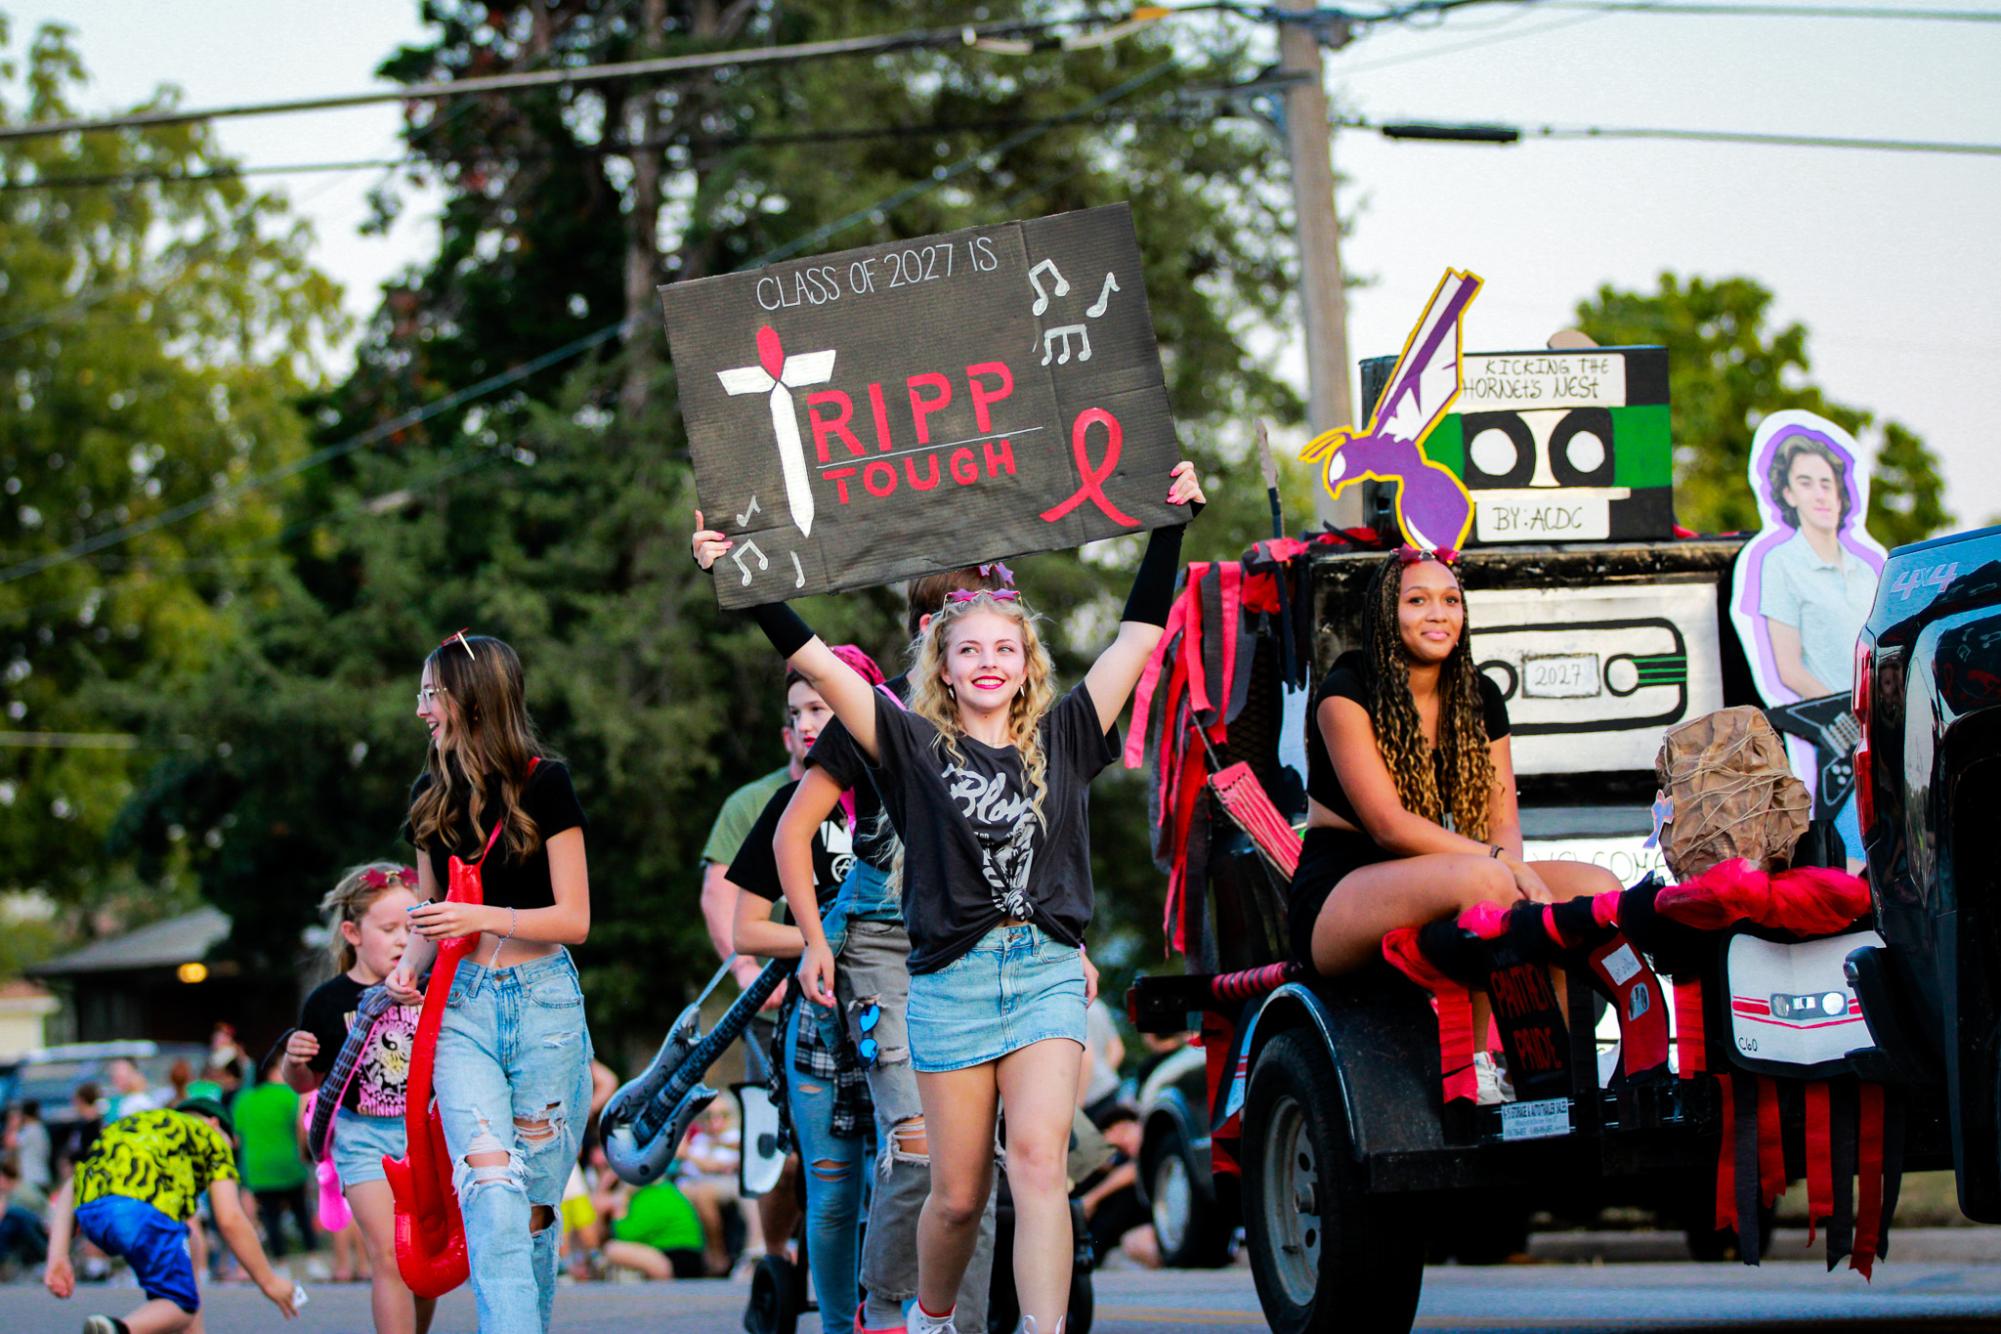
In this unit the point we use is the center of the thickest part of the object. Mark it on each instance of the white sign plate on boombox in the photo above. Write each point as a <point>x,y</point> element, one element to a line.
<point>1593,676</point>
<point>1791,1006</point>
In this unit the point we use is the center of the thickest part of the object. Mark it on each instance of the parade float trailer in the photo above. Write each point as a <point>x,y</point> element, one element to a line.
<point>1319,1123</point>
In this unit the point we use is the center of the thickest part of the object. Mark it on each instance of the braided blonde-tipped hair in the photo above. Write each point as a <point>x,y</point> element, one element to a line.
<point>1462,721</point>
<point>930,700</point>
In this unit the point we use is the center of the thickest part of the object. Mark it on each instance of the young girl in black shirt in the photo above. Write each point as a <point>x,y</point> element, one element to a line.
<point>986,778</point>
<point>368,913</point>
<point>513,1059</point>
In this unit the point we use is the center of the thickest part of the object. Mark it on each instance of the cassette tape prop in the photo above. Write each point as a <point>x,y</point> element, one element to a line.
<point>1792,1011</point>
<point>1593,676</point>
<point>1558,445</point>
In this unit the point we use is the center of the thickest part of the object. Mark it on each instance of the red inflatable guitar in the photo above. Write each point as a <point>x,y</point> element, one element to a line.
<point>430,1233</point>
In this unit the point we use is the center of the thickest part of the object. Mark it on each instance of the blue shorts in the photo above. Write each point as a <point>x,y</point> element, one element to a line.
<point>359,1144</point>
<point>1017,987</point>
<point>155,1245</point>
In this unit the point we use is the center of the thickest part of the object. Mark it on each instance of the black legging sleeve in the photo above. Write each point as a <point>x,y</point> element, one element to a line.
<point>782,626</point>
<point>1153,585</point>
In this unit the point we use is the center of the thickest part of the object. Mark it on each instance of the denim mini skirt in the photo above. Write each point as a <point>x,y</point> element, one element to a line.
<point>360,1142</point>
<point>1017,986</point>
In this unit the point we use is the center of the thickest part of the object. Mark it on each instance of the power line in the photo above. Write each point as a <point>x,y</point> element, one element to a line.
<point>1425,131</point>
<point>1740,10</point>
<point>657,66</point>
<point>576,346</point>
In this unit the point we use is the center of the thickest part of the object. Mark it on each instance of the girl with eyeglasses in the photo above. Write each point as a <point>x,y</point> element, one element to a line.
<point>986,778</point>
<point>1411,812</point>
<point>513,1061</point>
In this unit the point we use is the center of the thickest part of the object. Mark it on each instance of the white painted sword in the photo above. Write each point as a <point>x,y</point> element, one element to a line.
<point>779,375</point>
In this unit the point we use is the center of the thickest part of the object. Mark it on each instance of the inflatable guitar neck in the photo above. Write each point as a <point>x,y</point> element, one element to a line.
<point>646,1120</point>
<point>430,1233</point>
<point>370,1008</point>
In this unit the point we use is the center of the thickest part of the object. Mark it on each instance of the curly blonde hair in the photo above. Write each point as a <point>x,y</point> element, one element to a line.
<point>932,701</point>
<point>1462,721</point>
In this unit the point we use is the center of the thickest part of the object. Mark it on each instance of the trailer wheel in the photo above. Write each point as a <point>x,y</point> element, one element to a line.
<point>1193,1232</point>
<point>1325,1255</point>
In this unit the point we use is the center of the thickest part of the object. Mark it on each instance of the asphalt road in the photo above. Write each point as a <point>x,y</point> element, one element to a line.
<point>1960,1292</point>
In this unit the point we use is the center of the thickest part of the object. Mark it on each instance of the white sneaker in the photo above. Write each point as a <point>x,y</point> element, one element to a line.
<point>921,1321</point>
<point>1491,1082</point>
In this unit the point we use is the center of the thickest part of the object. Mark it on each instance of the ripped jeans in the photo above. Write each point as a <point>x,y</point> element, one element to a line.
<point>872,970</point>
<point>833,1176</point>
<point>513,1077</point>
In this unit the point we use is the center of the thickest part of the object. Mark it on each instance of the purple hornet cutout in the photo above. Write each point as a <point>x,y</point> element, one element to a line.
<point>1432,506</point>
<point>778,375</point>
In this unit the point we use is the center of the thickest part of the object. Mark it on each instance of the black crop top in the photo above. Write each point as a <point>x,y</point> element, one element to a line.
<point>1348,679</point>
<point>508,881</point>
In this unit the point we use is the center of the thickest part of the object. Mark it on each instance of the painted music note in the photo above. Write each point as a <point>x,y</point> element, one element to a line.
<point>1104,301</point>
<point>1042,297</point>
<point>1062,332</point>
<point>798,570</point>
<point>763,562</point>
<point>743,519</point>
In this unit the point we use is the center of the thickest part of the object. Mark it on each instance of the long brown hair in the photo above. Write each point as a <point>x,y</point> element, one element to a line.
<point>491,734</point>
<point>1462,721</point>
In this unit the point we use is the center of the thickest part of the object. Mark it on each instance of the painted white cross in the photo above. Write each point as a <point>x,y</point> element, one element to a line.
<point>779,375</point>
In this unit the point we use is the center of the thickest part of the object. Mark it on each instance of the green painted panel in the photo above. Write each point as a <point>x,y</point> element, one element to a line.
<point>1447,445</point>
<point>1644,455</point>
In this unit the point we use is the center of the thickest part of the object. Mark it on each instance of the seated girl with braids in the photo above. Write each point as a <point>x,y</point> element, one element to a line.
<point>1411,813</point>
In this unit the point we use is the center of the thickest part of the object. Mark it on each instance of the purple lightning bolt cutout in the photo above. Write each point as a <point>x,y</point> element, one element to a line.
<point>1432,506</point>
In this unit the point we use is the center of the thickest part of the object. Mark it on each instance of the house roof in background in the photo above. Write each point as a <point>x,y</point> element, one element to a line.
<point>167,944</point>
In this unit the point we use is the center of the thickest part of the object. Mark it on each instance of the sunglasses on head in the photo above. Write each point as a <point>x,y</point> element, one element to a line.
<point>1410,555</point>
<point>459,636</point>
<point>997,594</point>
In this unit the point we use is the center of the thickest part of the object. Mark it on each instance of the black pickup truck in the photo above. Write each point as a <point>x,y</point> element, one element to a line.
<point>1928,789</point>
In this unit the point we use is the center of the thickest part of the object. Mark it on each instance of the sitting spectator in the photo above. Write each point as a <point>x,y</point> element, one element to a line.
<point>1118,1218</point>
<point>653,1229</point>
<point>708,1177</point>
<point>23,1240</point>
<point>1104,1053</point>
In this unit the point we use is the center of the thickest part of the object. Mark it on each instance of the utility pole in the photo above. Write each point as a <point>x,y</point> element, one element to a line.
<point>1309,143</point>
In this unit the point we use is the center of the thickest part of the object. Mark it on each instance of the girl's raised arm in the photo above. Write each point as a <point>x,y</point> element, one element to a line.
<point>1118,669</point>
<point>847,693</point>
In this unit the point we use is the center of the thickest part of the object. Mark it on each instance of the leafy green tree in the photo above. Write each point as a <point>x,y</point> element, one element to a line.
<point>153,341</point>
<point>555,511</point>
<point>1727,370</point>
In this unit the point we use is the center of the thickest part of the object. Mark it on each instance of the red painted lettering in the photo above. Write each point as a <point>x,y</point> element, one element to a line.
<point>1000,457</point>
<point>834,423</point>
<point>881,411</point>
<point>839,477</point>
<point>982,396</point>
<point>879,477</point>
<point>921,408</point>
<point>910,471</point>
<point>964,467</point>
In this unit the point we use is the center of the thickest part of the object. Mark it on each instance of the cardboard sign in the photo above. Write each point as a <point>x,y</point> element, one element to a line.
<point>881,413</point>
<point>1568,445</point>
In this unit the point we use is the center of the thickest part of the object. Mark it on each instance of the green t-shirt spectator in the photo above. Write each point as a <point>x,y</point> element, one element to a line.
<point>660,1216</point>
<point>739,813</point>
<point>267,1121</point>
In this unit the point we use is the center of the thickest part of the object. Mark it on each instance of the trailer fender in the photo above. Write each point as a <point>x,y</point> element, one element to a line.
<point>1383,1038</point>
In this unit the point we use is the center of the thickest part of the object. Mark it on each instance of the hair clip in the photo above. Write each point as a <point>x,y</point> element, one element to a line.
<point>374,878</point>
<point>460,635</point>
<point>992,568</point>
<point>973,595</point>
<point>1410,555</point>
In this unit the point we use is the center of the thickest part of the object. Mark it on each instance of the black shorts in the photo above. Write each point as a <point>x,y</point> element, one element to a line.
<point>1325,857</point>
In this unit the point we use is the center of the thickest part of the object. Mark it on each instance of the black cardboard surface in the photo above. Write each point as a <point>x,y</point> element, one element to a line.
<point>953,399</point>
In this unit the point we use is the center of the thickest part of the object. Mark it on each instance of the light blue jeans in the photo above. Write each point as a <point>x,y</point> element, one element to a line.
<point>834,1168</point>
<point>513,1076</point>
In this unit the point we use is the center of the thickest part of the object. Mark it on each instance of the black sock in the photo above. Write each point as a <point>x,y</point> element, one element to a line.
<point>120,1326</point>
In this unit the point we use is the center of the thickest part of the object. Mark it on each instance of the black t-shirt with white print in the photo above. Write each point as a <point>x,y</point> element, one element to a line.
<point>755,866</point>
<point>974,852</point>
<point>841,759</point>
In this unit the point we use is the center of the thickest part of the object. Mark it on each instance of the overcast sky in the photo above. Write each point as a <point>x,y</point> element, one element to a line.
<point>1888,259</point>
